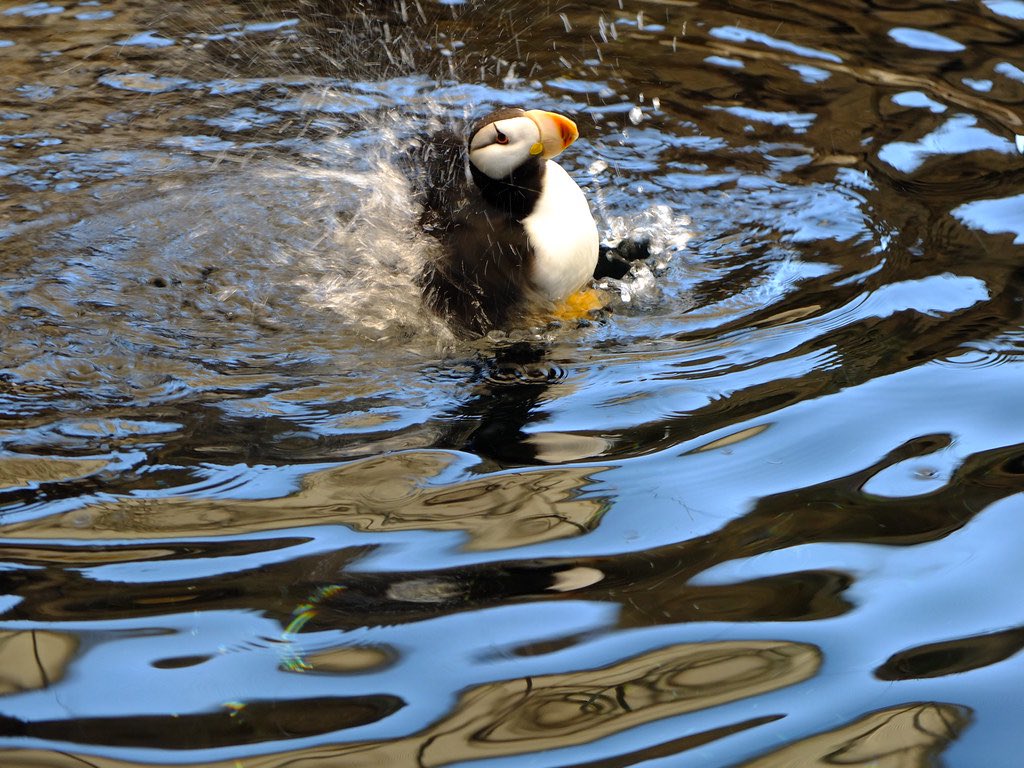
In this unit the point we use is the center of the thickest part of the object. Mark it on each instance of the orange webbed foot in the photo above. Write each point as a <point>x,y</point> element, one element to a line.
<point>579,306</point>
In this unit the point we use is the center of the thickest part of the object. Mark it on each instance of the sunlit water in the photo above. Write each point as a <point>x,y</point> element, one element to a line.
<point>260,509</point>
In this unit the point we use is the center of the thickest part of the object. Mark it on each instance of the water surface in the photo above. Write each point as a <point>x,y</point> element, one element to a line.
<point>259,509</point>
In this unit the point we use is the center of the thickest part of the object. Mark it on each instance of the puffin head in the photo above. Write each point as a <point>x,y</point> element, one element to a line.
<point>510,138</point>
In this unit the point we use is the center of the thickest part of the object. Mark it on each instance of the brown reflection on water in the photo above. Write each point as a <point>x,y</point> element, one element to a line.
<point>384,493</point>
<point>952,657</point>
<point>909,736</point>
<point>233,724</point>
<point>18,472</point>
<point>652,587</point>
<point>563,710</point>
<point>349,660</point>
<point>33,659</point>
<point>531,715</point>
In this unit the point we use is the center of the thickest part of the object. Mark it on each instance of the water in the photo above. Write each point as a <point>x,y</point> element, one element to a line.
<point>258,509</point>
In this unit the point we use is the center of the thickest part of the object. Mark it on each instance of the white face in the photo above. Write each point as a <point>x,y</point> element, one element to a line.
<point>500,147</point>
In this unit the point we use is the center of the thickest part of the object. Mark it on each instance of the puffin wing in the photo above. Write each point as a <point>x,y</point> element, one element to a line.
<point>477,277</point>
<point>439,172</point>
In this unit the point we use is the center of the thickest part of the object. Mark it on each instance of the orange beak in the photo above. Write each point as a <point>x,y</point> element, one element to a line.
<point>556,132</point>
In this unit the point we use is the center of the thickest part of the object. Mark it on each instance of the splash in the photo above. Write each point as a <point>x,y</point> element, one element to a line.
<point>365,265</point>
<point>666,233</point>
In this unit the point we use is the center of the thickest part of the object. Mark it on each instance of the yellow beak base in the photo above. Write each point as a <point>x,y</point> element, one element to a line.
<point>556,132</point>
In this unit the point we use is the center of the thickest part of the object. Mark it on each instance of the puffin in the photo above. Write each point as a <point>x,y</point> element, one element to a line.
<point>515,232</point>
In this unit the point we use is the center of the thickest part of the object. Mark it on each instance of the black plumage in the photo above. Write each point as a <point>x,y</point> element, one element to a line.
<point>478,280</point>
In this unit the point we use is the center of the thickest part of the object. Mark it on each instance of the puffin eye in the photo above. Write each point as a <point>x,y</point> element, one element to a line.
<point>501,138</point>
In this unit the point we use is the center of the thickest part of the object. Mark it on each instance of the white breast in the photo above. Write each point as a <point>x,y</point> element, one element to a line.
<point>563,234</point>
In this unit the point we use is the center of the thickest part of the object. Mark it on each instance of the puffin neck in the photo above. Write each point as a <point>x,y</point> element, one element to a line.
<point>516,194</point>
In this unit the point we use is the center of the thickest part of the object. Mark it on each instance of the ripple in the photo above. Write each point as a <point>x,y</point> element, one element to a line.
<point>908,733</point>
<point>997,216</point>
<point>517,373</point>
<point>1011,9</point>
<point>148,39</point>
<point>809,74</point>
<point>982,86</point>
<point>919,100</point>
<point>924,40</point>
<point>1007,349</point>
<point>561,710</point>
<point>798,122</point>
<point>741,35</point>
<point>95,15</point>
<point>23,472</point>
<point>917,476</point>
<point>34,659</point>
<point>959,135</point>
<point>938,294</point>
<point>952,657</point>
<point>143,82</point>
<point>385,493</point>
<point>1009,70</point>
<point>722,61</point>
<point>34,9</point>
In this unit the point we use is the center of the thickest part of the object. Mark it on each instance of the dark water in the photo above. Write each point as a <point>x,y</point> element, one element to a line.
<point>259,510</point>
